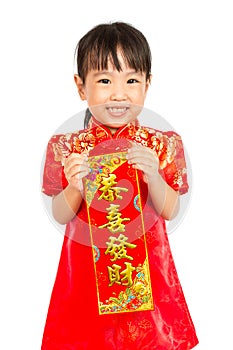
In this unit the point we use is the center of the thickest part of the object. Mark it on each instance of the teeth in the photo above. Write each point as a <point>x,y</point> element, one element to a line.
<point>117,110</point>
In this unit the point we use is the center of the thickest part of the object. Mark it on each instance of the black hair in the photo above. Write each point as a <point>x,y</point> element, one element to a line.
<point>87,118</point>
<point>103,42</point>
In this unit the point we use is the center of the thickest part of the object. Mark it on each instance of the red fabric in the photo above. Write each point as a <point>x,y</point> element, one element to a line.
<point>73,321</point>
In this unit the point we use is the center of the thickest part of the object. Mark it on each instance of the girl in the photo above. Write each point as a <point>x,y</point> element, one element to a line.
<point>114,184</point>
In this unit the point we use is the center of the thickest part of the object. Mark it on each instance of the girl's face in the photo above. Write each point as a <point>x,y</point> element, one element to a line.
<point>114,97</point>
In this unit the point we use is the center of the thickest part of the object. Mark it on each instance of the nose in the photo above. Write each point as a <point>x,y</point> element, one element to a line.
<point>118,93</point>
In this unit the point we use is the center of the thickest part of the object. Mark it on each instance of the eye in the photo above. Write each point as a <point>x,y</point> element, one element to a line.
<point>132,81</point>
<point>104,81</point>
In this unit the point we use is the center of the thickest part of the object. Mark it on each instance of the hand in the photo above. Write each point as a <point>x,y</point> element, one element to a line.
<point>75,168</point>
<point>144,159</point>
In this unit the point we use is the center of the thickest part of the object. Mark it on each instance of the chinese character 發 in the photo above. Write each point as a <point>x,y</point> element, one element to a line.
<point>117,247</point>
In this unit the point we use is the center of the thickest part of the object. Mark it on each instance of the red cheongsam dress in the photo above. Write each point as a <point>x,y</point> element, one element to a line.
<point>116,286</point>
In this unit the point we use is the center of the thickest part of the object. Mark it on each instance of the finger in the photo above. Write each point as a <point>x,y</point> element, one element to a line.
<point>135,147</point>
<point>75,161</point>
<point>75,158</point>
<point>81,169</point>
<point>77,182</point>
<point>142,157</point>
<point>145,167</point>
<point>76,179</point>
<point>144,162</point>
<point>78,168</point>
<point>140,148</point>
<point>149,173</point>
<point>79,175</point>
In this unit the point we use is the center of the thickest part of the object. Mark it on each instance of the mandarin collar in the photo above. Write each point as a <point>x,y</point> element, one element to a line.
<point>95,123</point>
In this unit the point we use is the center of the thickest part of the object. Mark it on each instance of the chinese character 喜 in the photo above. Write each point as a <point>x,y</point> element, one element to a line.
<point>115,221</point>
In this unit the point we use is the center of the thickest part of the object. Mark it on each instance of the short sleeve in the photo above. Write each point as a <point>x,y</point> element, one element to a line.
<point>171,155</point>
<point>54,180</point>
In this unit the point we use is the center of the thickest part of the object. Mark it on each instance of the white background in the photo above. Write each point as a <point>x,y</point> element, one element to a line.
<point>192,87</point>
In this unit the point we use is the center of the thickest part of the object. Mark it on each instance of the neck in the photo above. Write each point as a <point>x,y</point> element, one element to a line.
<point>112,130</point>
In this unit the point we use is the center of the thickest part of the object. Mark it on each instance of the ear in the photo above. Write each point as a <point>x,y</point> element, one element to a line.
<point>148,82</point>
<point>80,86</point>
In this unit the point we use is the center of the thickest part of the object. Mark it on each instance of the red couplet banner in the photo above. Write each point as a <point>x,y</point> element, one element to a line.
<point>117,229</point>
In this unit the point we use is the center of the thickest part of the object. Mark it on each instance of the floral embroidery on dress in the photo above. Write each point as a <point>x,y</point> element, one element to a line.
<point>165,147</point>
<point>136,327</point>
<point>62,148</point>
<point>58,155</point>
<point>150,237</point>
<point>133,331</point>
<point>178,177</point>
<point>141,136</point>
<point>84,142</point>
<point>145,324</point>
<point>68,143</point>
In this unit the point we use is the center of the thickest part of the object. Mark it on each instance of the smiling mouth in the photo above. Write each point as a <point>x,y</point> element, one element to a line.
<point>116,111</point>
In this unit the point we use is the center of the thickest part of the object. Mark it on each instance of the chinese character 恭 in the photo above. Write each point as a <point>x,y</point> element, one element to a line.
<point>109,192</point>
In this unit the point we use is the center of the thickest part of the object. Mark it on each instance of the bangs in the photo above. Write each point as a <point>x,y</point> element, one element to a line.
<point>104,44</point>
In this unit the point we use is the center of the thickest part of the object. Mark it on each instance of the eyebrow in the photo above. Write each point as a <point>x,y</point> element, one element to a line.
<point>98,73</point>
<point>101,73</point>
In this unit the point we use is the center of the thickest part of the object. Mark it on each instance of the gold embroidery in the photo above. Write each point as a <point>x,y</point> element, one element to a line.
<point>165,147</point>
<point>85,141</point>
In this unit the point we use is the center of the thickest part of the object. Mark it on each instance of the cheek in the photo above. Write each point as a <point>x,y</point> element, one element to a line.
<point>96,97</point>
<point>141,95</point>
<point>144,93</point>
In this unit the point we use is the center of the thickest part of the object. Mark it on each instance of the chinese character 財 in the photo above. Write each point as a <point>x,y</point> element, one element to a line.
<point>114,275</point>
